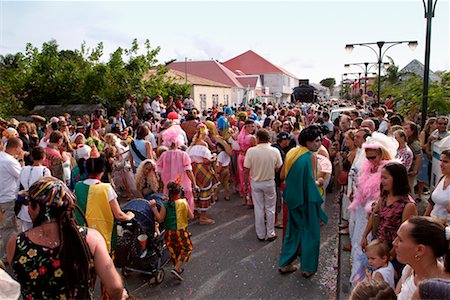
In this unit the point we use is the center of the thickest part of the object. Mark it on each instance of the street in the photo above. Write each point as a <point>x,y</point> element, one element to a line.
<point>228,262</point>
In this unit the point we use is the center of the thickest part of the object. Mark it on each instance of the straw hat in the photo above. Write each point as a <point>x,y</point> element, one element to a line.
<point>225,145</point>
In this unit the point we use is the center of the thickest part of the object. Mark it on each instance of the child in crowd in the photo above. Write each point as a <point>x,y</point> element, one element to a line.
<point>175,213</point>
<point>160,150</point>
<point>378,258</point>
<point>372,289</point>
<point>27,177</point>
<point>223,170</point>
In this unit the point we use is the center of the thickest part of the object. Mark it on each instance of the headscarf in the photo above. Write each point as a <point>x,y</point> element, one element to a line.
<point>52,193</point>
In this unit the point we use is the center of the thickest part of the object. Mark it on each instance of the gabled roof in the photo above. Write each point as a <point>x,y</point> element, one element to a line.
<point>252,63</point>
<point>416,67</point>
<point>209,69</point>
<point>179,77</point>
<point>248,80</point>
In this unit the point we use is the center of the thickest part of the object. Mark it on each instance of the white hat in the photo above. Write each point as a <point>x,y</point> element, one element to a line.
<point>82,151</point>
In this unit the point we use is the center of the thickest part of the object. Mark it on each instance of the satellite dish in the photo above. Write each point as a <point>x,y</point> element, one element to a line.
<point>278,95</point>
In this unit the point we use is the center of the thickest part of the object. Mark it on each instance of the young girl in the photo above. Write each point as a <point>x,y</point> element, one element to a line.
<point>223,170</point>
<point>378,258</point>
<point>175,213</point>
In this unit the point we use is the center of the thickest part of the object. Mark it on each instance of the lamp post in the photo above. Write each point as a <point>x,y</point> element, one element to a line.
<point>359,77</point>
<point>365,69</point>
<point>429,8</point>
<point>380,54</point>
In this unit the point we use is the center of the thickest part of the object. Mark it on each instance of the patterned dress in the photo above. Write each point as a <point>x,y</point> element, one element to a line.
<point>204,176</point>
<point>39,271</point>
<point>177,237</point>
<point>391,218</point>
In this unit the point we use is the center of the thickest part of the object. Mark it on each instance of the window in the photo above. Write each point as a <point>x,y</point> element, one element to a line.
<point>202,102</point>
<point>215,100</point>
<point>262,79</point>
<point>225,100</point>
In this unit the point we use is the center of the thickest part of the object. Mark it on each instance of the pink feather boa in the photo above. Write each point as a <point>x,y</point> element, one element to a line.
<point>172,136</point>
<point>368,189</point>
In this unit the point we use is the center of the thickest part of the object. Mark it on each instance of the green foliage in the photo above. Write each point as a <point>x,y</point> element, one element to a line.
<point>328,82</point>
<point>407,89</point>
<point>54,76</point>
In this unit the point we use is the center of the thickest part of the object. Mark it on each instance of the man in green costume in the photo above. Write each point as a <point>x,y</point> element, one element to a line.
<point>303,200</point>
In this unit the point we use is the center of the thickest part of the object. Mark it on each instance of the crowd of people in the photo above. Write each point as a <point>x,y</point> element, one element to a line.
<point>63,179</point>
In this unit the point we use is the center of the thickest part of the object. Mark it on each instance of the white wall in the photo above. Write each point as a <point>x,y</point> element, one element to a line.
<point>209,91</point>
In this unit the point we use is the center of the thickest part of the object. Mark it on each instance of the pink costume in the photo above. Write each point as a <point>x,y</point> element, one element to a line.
<point>244,141</point>
<point>172,166</point>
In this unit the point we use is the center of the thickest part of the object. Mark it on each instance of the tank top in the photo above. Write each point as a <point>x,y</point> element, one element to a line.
<point>140,146</point>
<point>38,269</point>
<point>387,273</point>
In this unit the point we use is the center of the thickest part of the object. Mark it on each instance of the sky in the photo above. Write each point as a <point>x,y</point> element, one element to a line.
<point>307,38</point>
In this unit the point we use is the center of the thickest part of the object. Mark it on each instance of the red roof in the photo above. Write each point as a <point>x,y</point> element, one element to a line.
<point>251,63</point>
<point>209,69</point>
<point>248,80</point>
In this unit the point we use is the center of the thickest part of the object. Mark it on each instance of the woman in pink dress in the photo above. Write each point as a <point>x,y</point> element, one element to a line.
<point>175,165</point>
<point>246,140</point>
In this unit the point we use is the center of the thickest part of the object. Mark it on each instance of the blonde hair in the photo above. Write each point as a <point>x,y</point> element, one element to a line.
<point>276,125</point>
<point>380,248</point>
<point>111,139</point>
<point>372,289</point>
<point>142,177</point>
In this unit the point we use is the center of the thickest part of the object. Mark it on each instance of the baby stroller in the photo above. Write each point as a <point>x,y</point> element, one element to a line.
<point>139,247</point>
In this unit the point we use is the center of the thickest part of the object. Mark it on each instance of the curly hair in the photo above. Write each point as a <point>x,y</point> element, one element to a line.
<point>144,178</point>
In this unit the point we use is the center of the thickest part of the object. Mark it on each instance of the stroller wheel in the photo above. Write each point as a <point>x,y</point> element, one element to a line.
<point>159,276</point>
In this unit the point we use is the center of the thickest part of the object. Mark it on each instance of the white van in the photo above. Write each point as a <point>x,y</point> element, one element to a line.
<point>335,112</point>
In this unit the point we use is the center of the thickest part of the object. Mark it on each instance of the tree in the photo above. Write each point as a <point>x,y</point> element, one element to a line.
<point>54,76</point>
<point>329,83</point>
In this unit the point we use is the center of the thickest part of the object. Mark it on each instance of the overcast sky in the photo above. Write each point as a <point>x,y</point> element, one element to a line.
<point>305,37</point>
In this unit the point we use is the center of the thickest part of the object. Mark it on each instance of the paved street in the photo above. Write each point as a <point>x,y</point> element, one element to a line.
<point>228,262</point>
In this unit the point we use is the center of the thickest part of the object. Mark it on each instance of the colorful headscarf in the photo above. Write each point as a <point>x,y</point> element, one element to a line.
<point>51,192</point>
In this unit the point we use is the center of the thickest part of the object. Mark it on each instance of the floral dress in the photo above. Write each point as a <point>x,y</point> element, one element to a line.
<point>38,269</point>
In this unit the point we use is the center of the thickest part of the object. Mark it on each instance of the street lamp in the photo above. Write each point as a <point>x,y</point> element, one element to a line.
<point>349,48</point>
<point>429,8</point>
<point>365,69</point>
<point>359,77</point>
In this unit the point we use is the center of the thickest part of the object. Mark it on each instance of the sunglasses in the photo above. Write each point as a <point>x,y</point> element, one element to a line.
<point>371,157</point>
<point>442,123</point>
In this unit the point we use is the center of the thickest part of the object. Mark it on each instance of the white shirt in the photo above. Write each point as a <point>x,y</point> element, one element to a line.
<point>188,103</point>
<point>151,138</point>
<point>441,199</point>
<point>155,107</point>
<point>28,176</point>
<point>387,273</point>
<point>9,180</point>
<point>224,159</point>
<point>262,160</point>
<point>111,192</point>
<point>234,144</point>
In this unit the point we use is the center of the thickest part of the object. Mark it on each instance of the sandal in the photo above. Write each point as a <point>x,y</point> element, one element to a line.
<point>226,198</point>
<point>207,221</point>
<point>308,274</point>
<point>288,269</point>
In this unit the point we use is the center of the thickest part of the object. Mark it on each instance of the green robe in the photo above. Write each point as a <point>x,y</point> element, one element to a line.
<point>303,200</point>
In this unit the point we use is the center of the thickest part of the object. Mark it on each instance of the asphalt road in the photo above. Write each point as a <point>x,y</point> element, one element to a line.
<point>228,262</point>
